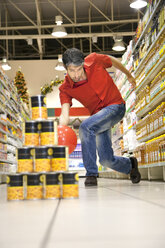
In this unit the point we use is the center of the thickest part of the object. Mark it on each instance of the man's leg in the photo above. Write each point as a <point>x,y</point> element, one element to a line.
<point>93,126</point>
<point>106,154</point>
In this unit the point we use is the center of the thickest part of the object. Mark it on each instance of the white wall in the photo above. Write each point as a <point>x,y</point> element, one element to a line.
<point>36,74</point>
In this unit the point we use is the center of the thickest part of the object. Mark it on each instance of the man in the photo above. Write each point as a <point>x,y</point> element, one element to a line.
<point>88,82</point>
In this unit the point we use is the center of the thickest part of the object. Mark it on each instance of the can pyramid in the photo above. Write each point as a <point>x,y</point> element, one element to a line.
<point>42,165</point>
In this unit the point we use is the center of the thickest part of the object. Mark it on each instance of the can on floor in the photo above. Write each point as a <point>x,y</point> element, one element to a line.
<point>31,133</point>
<point>48,132</point>
<point>60,158</point>
<point>42,161</point>
<point>52,185</point>
<point>38,107</point>
<point>25,158</point>
<point>15,186</point>
<point>34,186</point>
<point>70,187</point>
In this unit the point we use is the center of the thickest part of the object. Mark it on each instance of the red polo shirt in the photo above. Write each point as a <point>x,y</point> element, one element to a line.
<point>98,91</point>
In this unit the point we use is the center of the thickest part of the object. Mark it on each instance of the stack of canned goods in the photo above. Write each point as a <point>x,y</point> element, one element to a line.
<point>41,164</point>
<point>42,159</point>
<point>35,186</point>
<point>40,133</point>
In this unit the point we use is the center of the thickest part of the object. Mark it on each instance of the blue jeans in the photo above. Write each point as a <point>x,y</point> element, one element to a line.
<point>95,135</point>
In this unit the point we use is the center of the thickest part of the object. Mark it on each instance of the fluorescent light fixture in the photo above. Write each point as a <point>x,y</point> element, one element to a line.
<point>118,45</point>
<point>138,4</point>
<point>59,31</point>
<point>94,39</point>
<point>29,41</point>
<point>59,66</point>
<point>5,65</point>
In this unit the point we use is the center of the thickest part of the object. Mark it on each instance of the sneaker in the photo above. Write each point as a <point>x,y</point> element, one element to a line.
<point>135,174</point>
<point>91,181</point>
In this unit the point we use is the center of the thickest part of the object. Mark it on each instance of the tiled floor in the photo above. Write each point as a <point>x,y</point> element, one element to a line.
<point>116,214</point>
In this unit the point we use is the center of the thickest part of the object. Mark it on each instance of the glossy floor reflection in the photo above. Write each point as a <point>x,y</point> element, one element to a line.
<point>115,214</point>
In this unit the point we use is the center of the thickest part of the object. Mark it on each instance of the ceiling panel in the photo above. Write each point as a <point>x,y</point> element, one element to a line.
<point>22,20</point>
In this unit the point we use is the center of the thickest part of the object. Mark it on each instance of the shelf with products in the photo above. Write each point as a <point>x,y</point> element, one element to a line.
<point>120,78</point>
<point>149,73</point>
<point>11,124</point>
<point>130,109</point>
<point>159,164</point>
<point>6,108</point>
<point>9,86</point>
<point>13,97</point>
<point>117,132</point>
<point>152,135</point>
<point>148,24</point>
<point>75,159</point>
<point>12,112</point>
<point>141,63</point>
<point>3,93</point>
<point>117,138</point>
<point>7,161</point>
<point>132,126</point>
<point>3,141</point>
<point>10,135</point>
<point>151,105</point>
<point>128,93</point>
<point>11,150</point>
<point>152,124</point>
<point>155,70</point>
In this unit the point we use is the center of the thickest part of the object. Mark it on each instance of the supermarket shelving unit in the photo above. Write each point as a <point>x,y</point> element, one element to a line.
<point>11,137</point>
<point>153,170</point>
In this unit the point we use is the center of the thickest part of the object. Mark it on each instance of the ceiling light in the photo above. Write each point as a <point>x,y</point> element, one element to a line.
<point>94,39</point>
<point>60,66</point>
<point>5,65</point>
<point>59,30</point>
<point>118,45</point>
<point>58,20</point>
<point>138,4</point>
<point>29,41</point>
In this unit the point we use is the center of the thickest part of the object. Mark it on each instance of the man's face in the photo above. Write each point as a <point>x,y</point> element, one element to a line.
<point>76,73</point>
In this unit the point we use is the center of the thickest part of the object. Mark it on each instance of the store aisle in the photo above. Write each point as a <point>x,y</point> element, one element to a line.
<point>115,214</point>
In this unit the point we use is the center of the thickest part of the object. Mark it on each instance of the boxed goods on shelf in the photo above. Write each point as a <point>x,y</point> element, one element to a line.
<point>130,140</point>
<point>152,151</point>
<point>140,154</point>
<point>158,84</point>
<point>152,122</point>
<point>150,92</point>
<point>155,150</point>
<point>142,99</point>
<point>151,23</point>
<point>146,139</point>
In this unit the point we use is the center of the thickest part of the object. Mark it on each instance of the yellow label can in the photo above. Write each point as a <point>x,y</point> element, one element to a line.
<point>38,107</point>
<point>52,185</point>
<point>48,132</point>
<point>60,158</point>
<point>34,187</point>
<point>70,186</point>
<point>25,159</point>
<point>31,133</point>
<point>15,187</point>
<point>42,162</point>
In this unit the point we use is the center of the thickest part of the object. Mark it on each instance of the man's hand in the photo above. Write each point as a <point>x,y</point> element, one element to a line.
<point>132,81</point>
<point>64,117</point>
<point>63,120</point>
